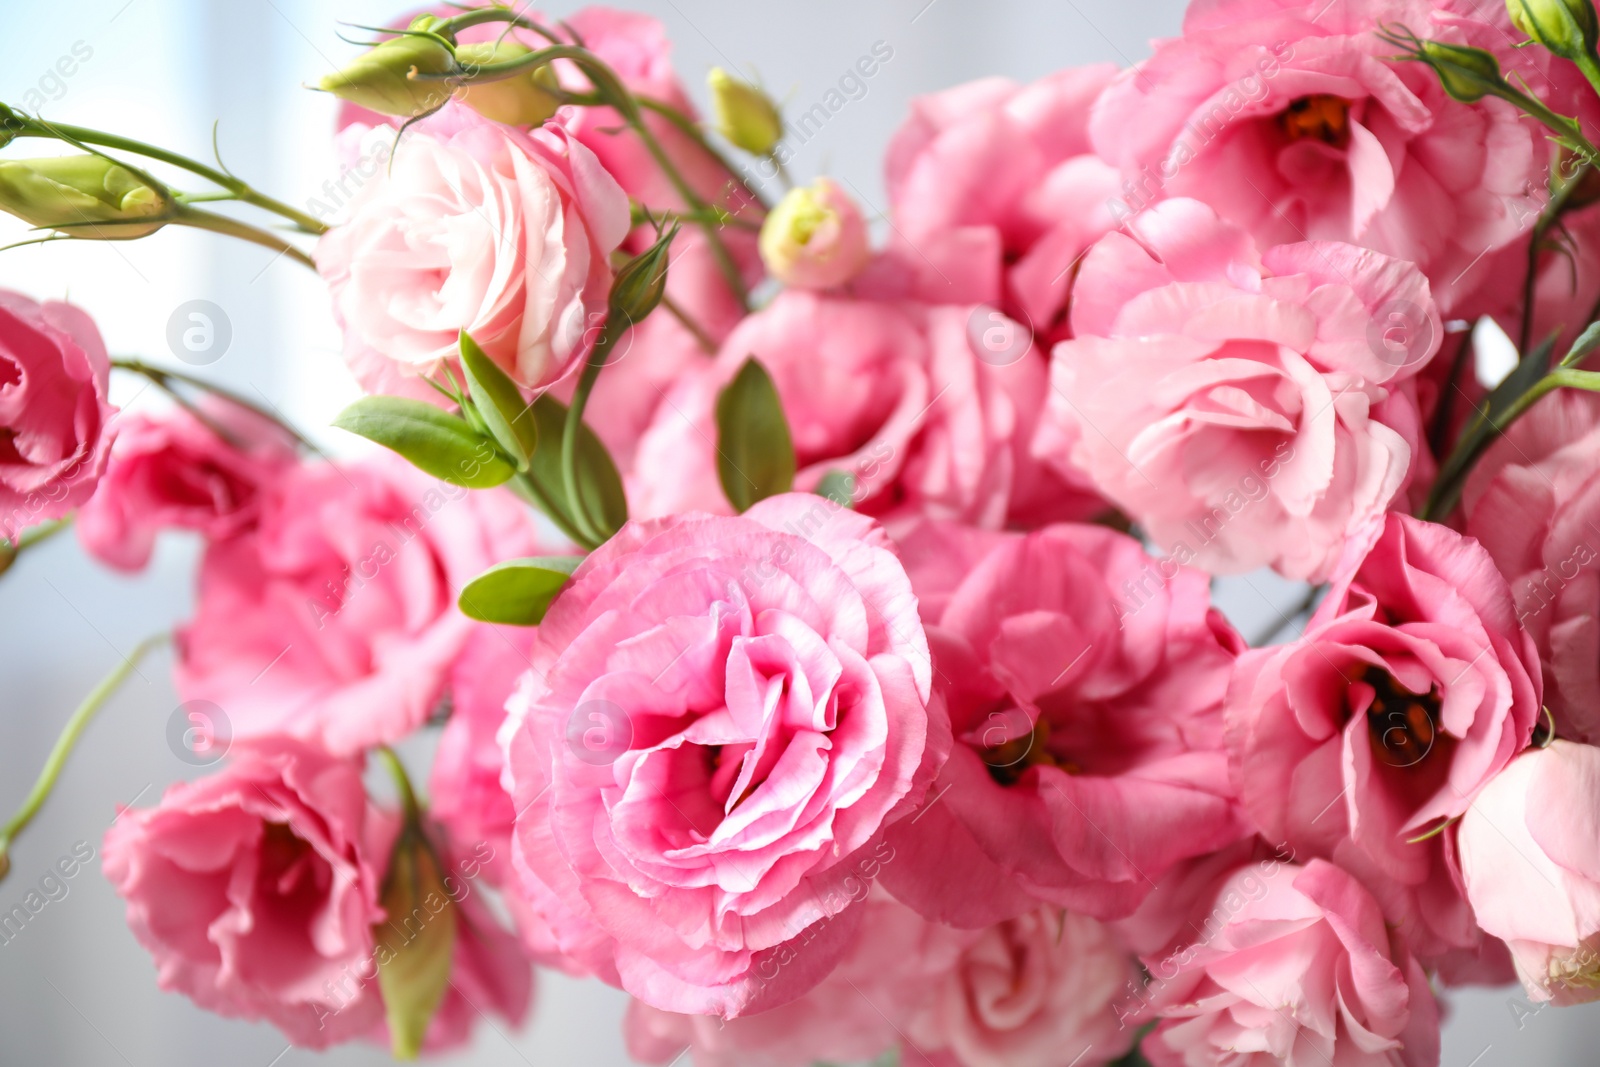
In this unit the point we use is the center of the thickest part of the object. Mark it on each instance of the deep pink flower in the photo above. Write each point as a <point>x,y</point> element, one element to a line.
<point>1413,686</point>
<point>472,226</point>
<point>174,472</point>
<point>1084,682</point>
<point>721,717</point>
<point>256,889</point>
<point>1295,968</point>
<point>334,618</point>
<point>1246,409</point>
<point>53,410</point>
<point>896,395</point>
<point>1294,119</point>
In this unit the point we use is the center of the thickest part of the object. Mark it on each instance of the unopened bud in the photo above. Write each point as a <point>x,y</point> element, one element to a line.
<point>1567,28</point>
<point>383,80</point>
<point>74,194</point>
<point>744,114</point>
<point>642,282</point>
<point>1467,74</point>
<point>815,238</point>
<point>525,100</point>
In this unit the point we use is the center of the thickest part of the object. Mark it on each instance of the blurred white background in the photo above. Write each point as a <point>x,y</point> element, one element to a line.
<point>74,986</point>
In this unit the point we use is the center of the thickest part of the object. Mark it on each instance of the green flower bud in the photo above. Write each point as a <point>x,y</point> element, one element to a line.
<point>1467,74</point>
<point>526,100</point>
<point>1567,28</point>
<point>744,114</point>
<point>640,285</point>
<point>69,193</point>
<point>381,80</point>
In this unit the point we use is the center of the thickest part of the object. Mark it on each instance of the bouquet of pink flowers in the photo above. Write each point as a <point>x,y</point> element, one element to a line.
<point>817,632</point>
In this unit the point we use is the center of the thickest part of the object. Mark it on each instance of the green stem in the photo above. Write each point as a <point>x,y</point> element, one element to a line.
<point>1559,196</point>
<point>402,784</point>
<point>530,493</point>
<point>569,438</point>
<point>707,343</point>
<point>1452,475</point>
<point>163,376</point>
<point>33,535</point>
<point>64,745</point>
<point>205,220</point>
<point>22,126</point>
<point>1590,68</point>
<point>689,129</point>
<point>1562,127</point>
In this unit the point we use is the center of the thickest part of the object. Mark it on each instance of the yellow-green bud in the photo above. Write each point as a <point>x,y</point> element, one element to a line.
<point>1567,28</point>
<point>526,100</point>
<point>381,79</point>
<point>744,114</point>
<point>1467,74</point>
<point>69,193</point>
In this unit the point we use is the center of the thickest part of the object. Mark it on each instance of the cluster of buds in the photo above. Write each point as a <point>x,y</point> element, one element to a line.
<point>419,70</point>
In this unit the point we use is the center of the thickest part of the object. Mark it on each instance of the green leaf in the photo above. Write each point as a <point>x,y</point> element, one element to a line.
<point>839,487</point>
<point>506,414</point>
<point>755,454</point>
<point>519,591</point>
<point>433,440</point>
<point>414,944</point>
<point>1587,342</point>
<point>599,484</point>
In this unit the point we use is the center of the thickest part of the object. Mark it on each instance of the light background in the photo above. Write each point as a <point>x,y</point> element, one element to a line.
<point>74,986</point>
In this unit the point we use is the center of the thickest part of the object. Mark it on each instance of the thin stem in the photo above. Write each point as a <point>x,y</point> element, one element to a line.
<point>688,127</point>
<point>707,343</point>
<point>1590,68</point>
<point>64,745</point>
<point>1559,196</point>
<point>1447,395</point>
<point>402,783</point>
<point>33,535</point>
<point>160,376</point>
<point>23,126</point>
<point>569,438</point>
<point>205,220</point>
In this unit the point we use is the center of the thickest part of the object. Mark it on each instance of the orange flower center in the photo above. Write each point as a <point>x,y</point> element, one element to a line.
<point>1321,115</point>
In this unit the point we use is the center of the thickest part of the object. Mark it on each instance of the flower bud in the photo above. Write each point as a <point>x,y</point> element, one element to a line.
<point>70,193</point>
<point>815,238</point>
<point>526,100</point>
<point>381,80</point>
<point>1467,74</point>
<point>641,283</point>
<point>1567,28</point>
<point>744,114</point>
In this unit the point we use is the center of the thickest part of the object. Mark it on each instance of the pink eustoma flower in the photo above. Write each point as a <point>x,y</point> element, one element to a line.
<point>1361,742</point>
<point>1084,682</point>
<point>722,716</point>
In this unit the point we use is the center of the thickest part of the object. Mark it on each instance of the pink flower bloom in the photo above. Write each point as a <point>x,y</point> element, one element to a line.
<point>721,717</point>
<point>1412,687</point>
<point>256,889</point>
<point>1293,119</point>
<point>334,618</point>
<point>174,472</point>
<point>1246,410</point>
<point>1534,502</point>
<point>471,226</point>
<point>896,395</point>
<point>1034,991</point>
<point>969,231</point>
<point>1295,969</point>
<point>859,1011</point>
<point>53,410</point>
<point>1084,682</point>
<point>1530,855</point>
<point>815,238</point>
